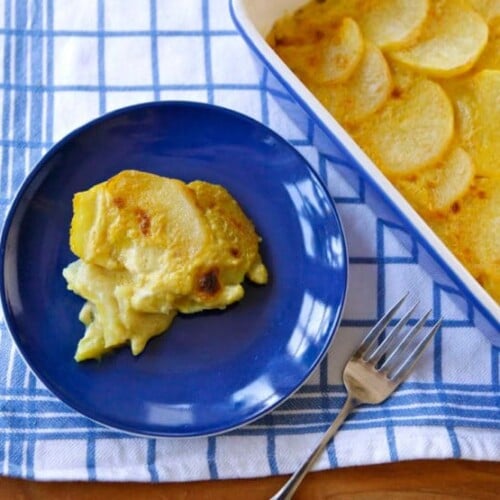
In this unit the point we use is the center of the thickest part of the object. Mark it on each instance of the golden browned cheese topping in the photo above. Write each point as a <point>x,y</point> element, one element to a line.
<point>208,282</point>
<point>149,247</point>
<point>417,84</point>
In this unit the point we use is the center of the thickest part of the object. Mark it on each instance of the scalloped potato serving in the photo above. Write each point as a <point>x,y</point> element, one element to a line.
<point>420,94</point>
<point>149,247</point>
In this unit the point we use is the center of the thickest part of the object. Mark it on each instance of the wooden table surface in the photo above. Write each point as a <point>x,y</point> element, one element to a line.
<point>444,479</point>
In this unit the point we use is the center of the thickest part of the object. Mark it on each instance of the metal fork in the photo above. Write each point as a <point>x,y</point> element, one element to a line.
<point>371,375</point>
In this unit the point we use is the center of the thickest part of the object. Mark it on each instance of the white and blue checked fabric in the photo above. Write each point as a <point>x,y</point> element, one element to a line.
<point>64,62</point>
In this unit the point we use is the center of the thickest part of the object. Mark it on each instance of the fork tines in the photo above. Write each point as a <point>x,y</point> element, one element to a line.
<point>398,362</point>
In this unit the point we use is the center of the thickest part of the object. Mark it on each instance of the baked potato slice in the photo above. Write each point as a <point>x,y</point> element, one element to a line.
<point>477,104</point>
<point>452,39</point>
<point>331,60</point>
<point>392,24</point>
<point>363,93</point>
<point>436,188</point>
<point>413,129</point>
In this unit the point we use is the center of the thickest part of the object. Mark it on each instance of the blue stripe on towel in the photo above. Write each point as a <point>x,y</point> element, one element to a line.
<point>154,49</point>
<point>211,457</point>
<point>101,57</point>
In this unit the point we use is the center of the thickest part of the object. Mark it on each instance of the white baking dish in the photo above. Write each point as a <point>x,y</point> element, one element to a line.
<point>254,19</point>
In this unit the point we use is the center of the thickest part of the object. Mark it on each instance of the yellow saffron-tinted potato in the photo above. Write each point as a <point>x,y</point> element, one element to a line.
<point>392,24</point>
<point>411,131</point>
<point>451,41</point>
<point>489,10</point>
<point>330,60</point>
<point>309,23</point>
<point>149,247</point>
<point>110,319</point>
<point>363,94</point>
<point>435,130</point>
<point>477,105</point>
<point>471,229</point>
<point>133,210</point>
<point>437,187</point>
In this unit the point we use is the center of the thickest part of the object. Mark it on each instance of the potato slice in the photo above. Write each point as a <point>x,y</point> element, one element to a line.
<point>477,104</point>
<point>489,9</point>
<point>412,130</point>
<point>392,24</point>
<point>437,187</point>
<point>471,229</point>
<point>135,213</point>
<point>310,22</point>
<point>363,94</point>
<point>451,41</point>
<point>330,60</point>
<point>110,322</point>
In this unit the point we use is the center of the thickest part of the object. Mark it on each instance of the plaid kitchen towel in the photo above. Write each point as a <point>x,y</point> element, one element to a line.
<point>64,62</point>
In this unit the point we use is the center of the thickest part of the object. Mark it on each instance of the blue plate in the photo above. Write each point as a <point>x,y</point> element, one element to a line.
<point>212,371</point>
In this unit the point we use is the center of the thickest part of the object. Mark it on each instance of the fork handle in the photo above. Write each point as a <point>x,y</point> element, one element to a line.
<point>289,488</point>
